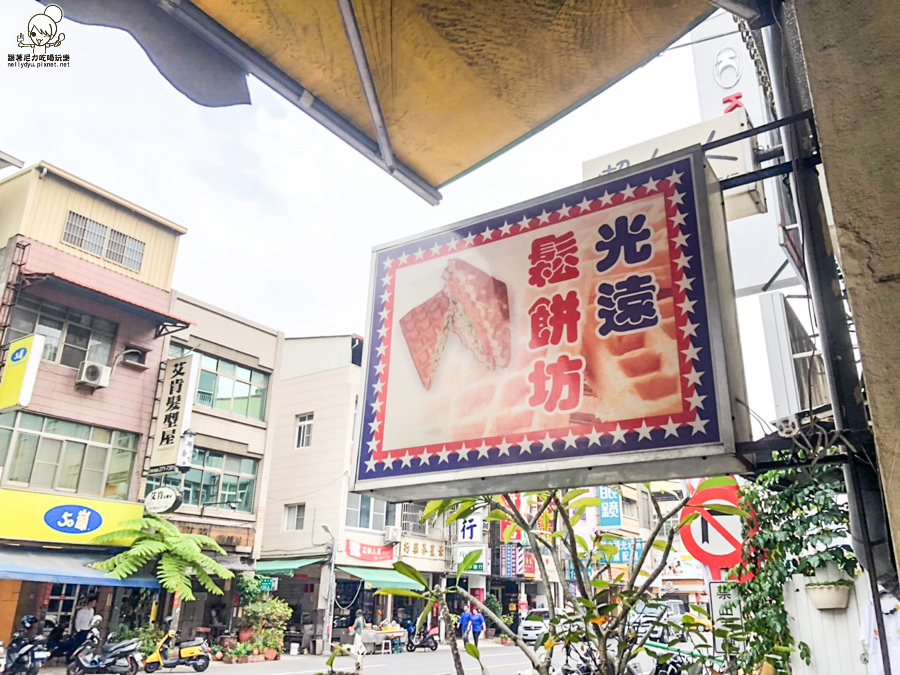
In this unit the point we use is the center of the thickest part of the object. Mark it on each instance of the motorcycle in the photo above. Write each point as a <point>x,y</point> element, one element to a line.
<point>114,658</point>
<point>26,653</point>
<point>425,639</point>
<point>60,644</point>
<point>194,653</point>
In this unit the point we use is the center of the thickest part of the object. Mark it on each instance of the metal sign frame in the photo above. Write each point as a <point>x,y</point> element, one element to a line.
<point>595,453</point>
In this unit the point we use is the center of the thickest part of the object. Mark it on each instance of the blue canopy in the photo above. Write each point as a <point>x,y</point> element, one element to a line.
<point>64,567</point>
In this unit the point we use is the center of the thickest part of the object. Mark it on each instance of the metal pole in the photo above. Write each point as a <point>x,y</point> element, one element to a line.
<point>332,589</point>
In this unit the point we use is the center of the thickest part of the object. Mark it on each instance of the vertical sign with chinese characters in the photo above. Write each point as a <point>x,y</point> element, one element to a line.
<point>585,336</point>
<point>610,506</point>
<point>174,416</point>
<point>470,530</point>
<point>725,610</point>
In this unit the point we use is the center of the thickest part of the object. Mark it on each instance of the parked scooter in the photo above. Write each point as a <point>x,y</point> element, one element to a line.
<point>193,653</point>
<point>425,639</point>
<point>25,652</point>
<point>114,658</point>
<point>60,644</point>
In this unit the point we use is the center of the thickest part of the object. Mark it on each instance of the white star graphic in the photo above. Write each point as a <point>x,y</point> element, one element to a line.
<point>453,243</point>
<point>504,448</point>
<point>436,249</point>
<point>687,305</point>
<point>584,205</point>
<point>671,428</point>
<point>594,437</point>
<point>696,401</point>
<point>690,328</point>
<point>644,430</point>
<point>370,464</point>
<point>605,198</point>
<point>570,440</point>
<point>691,353</point>
<point>463,453</point>
<point>374,426</point>
<point>547,442</point>
<point>386,279</point>
<point>544,218</point>
<point>376,407</point>
<point>698,426</point>
<point>382,331</point>
<point>384,314</point>
<point>685,283</point>
<point>680,239</point>
<point>563,211</point>
<point>405,460</point>
<point>403,258</point>
<point>381,349</point>
<point>425,457</point>
<point>483,450</point>
<point>379,367</point>
<point>524,223</point>
<point>506,228</point>
<point>487,234</point>
<point>677,198</point>
<point>378,386</point>
<point>678,218</point>
<point>525,446</point>
<point>469,239</point>
<point>618,434</point>
<point>420,253</point>
<point>388,262</point>
<point>693,377</point>
<point>628,192</point>
<point>683,261</point>
<point>388,462</point>
<point>675,178</point>
<point>651,185</point>
<point>444,454</point>
<point>373,446</point>
<point>385,297</point>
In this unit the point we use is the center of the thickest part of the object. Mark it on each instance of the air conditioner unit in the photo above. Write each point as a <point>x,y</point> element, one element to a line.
<point>93,375</point>
<point>392,534</point>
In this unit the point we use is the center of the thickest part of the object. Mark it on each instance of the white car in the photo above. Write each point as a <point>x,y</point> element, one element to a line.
<point>535,624</point>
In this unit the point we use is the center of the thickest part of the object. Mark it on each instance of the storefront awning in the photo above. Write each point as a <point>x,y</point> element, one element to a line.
<point>64,567</point>
<point>381,578</point>
<point>284,566</point>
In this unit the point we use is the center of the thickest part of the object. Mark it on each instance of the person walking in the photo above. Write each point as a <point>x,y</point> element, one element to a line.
<point>477,622</point>
<point>83,620</point>
<point>465,621</point>
<point>359,625</point>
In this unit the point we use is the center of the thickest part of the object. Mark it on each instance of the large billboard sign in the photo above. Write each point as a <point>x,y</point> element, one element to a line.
<point>584,337</point>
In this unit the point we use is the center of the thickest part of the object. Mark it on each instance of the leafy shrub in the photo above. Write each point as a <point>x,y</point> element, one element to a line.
<point>149,635</point>
<point>493,604</point>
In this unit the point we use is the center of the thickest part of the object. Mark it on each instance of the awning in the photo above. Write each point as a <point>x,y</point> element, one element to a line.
<point>284,566</point>
<point>64,567</point>
<point>235,563</point>
<point>381,578</point>
<point>426,89</point>
<point>165,323</point>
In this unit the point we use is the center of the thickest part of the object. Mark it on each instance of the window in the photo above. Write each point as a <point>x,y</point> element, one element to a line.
<point>214,478</point>
<point>71,336</point>
<point>91,236</point>
<point>229,386</point>
<point>55,454</point>
<point>304,431</point>
<point>293,517</point>
<point>629,508</point>
<point>365,512</point>
<point>412,516</point>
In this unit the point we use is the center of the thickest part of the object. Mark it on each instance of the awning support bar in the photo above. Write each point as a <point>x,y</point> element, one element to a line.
<point>365,77</point>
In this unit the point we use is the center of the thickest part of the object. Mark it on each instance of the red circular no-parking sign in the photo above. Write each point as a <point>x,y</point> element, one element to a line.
<point>714,538</point>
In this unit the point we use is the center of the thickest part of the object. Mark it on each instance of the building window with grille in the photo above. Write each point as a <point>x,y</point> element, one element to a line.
<point>214,478</point>
<point>293,517</point>
<point>304,431</point>
<point>71,336</point>
<point>99,240</point>
<point>411,515</point>
<point>365,512</point>
<point>55,454</point>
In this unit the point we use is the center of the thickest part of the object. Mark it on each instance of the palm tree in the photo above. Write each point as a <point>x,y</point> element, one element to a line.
<point>178,556</point>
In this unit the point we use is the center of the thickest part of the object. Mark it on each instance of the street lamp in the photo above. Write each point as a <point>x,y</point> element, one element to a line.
<point>332,591</point>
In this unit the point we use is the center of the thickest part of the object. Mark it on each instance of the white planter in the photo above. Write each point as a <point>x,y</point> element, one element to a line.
<point>829,597</point>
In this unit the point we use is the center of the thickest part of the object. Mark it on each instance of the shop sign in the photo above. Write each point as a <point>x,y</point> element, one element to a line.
<point>175,404</point>
<point>356,549</point>
<point>20,372</point>
<point>162,500</point>
<point>628,550</point>
<point>268,584</point>
<point>530,568</point>
<point>471,529</point>
<point>587,336</point>
<point>482,566</point>
<point>61,518</point>
<point>610,506</point>
<point>422,549</point>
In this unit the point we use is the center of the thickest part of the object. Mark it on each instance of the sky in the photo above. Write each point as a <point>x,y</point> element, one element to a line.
<point>282,216</point>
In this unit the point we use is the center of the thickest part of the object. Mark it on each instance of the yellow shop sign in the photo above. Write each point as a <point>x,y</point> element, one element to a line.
<point>70,519</point>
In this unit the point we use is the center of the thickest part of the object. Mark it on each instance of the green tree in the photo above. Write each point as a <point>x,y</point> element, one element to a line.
<point>178,557</point>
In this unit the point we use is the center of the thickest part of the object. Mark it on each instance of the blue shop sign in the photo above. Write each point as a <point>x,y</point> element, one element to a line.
<point>73,519</point>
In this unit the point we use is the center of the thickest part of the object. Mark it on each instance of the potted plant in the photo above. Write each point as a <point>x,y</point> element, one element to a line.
<point>508,620</point>
<point>493,604</point>
<point>240,653</point>
<point>833,594</point>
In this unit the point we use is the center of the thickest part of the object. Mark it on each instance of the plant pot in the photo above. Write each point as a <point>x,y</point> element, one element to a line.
<point>245,634</point>
<point>828,597</point>
<point>270,653</point>
<point>489,633</point>
<point>243,659</point>
<point>229,659</point>
<point>256,658</point>
<point>504,640</point>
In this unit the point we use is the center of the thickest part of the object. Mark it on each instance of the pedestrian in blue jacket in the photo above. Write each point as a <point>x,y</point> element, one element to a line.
<point>465,620</point>
<point>477,624</point>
